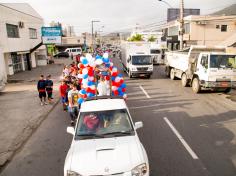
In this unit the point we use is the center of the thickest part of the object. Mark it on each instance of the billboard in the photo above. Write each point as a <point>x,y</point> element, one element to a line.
<point>173,13</point>
<point>51,35</point>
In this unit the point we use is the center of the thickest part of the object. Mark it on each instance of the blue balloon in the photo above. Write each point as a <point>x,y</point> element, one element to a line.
<point>98,57</point>
<point>123,86</point>
<point>84,61</point>
<point>105,60</point>
<point>85,76</point>
<point>113,78</point>
<point>107,65</point>
<point>120,75</point>
<point>80,100</point>
<point>121,94</point>
<point>83,91</point>
<point>119,89</point>
<point>90,83</point>
<point>91,95</point>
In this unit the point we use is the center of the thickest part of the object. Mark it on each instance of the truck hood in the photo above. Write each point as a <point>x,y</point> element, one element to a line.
<point>106,156</point>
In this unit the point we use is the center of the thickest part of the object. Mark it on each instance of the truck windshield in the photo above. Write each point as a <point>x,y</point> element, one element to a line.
<point>141,60</point>
<point>104,123</point>
<point>223,61</point>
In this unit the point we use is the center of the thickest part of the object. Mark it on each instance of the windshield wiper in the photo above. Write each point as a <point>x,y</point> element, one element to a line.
<point>90,135</point>
<point>119,133</point>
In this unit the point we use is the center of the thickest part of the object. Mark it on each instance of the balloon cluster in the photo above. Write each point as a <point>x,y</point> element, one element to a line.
<point>89,67</point>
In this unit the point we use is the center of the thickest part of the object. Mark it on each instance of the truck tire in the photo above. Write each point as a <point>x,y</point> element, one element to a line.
<point>167,70</point>
<point>227,90</point>
<point>148,76</point>
<point>172,74</point>
<point>184,80</point>
<point>196,86</point>
<point>130,74</point>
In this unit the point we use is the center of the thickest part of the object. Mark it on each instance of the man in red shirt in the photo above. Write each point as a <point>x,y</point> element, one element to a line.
<point>62,89</point>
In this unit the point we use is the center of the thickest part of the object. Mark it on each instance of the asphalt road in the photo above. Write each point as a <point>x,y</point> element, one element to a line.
<point>184,134</point>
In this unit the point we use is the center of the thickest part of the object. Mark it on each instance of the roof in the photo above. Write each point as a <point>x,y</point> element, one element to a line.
<point>231,10</point>
<point>23,8</point>
<point>103,105</point>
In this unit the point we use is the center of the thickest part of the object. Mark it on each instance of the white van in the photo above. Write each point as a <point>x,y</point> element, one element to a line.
<point>74,51</point>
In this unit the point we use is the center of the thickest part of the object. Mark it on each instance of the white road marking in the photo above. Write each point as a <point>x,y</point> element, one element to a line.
<point>144,91</point>
<point>187,147</point>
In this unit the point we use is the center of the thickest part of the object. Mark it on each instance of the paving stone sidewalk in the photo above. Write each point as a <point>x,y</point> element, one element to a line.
<point>20,110</point>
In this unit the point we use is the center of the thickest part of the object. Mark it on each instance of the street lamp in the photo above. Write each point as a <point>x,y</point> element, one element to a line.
<point>166,3</point>
<point>93,21</point>
<point>181,21</point>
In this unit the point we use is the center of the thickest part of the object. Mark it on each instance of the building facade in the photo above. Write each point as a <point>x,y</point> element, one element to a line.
<point>20,34</point>
<point>201,30</point>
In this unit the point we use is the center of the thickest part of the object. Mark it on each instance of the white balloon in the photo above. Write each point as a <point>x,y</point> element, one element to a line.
<point>93,87</point>
<point>113,88</point>
<point>117,79</point>
<point>80,76</point>
<point>82,58</point>
<point>105,55</point>
<point>90,78</point>
<point>98,62</point>
<point>85,71</point>
<point>89,56</point>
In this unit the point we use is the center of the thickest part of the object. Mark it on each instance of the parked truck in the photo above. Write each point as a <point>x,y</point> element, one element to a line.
<point>203,68</point>
<point>136,59</point>
<point>3,76</point>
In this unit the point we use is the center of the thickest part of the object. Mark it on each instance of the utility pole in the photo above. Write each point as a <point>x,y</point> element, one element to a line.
<point>93,21</point>
<point>181,21</point>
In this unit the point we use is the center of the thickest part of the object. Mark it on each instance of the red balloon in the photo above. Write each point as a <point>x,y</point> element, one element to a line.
<point>114,74</point>
<point>107,78</point>
<point>81,65</point>
<point>90,72</point>
<point>84,96</point>
<point>116,92</point>
<point>124,90</point>
<point>121,81</point>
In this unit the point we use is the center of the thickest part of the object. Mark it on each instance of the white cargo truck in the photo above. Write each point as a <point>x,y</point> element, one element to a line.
<point>203,68</point>
<point>136,59</point>
<point>3,76</point>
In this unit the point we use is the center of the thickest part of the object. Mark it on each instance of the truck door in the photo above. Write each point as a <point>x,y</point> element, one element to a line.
<point>203,66</point>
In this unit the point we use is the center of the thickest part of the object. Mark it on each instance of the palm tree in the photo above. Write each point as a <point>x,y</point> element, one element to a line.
<point>152,39</point>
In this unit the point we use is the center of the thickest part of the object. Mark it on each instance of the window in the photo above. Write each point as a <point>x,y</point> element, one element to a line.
<point>12,31</point>
<point>204,61</point>
<point>32,33</point>
<point>187,28</point>
<point>223,28</point>
<point>173,31</point>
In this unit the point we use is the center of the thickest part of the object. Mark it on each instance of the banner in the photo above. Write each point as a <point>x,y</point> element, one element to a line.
<point>51,35</point>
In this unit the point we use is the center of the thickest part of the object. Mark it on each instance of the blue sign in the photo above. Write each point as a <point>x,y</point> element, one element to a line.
<point>51,35</point>
<point>51,31</point>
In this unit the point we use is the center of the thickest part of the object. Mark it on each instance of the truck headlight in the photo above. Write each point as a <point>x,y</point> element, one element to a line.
<point>134,69</point>
<point>140,170</point>
<point>72,173</point>
<point>150,68</point>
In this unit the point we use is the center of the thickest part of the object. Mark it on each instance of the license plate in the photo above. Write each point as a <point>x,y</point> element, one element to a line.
<point>142,75</point>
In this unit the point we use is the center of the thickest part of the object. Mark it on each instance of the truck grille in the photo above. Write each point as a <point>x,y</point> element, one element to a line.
<point>142,68</point>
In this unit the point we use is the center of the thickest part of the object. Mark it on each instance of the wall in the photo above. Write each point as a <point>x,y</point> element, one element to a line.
<point>208,34</point>
<point>24,43</point>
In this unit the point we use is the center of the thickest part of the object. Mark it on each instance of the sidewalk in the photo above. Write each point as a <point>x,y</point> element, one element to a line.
<point>20,108</point>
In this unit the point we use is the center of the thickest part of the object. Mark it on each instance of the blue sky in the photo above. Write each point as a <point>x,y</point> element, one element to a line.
<point>114,15</point>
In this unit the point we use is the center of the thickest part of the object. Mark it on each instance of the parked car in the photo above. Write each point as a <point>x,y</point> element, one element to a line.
<point>105,141</point>
<point>74,51</point>
<point>62,54</point>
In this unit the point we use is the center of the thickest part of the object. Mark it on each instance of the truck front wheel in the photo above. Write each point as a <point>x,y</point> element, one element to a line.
<point>184,80</point>
<point>196,86</point>
<point>172,74</point>
<point>130,74</point>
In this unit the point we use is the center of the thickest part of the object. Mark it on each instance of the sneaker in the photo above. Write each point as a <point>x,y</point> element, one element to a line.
<point>72,123</point>
<point>45,103</point>
<point>42,104</point>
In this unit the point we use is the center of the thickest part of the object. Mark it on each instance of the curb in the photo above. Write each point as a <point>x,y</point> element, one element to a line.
<point>27,132</point>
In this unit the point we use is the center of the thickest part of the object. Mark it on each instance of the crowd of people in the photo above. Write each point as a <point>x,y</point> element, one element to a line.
<point>86,77</point>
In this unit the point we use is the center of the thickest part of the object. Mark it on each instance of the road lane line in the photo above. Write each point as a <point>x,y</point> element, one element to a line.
<point>144,91</point>
<point>187,147</point>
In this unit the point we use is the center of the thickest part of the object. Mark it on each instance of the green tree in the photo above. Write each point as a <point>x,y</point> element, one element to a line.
<point>136,38</point>
<point>151,39</point>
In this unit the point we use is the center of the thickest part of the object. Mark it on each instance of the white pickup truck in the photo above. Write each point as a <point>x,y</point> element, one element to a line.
<point>136,59</point>
<point>203,68</point>
<point>3,76</point>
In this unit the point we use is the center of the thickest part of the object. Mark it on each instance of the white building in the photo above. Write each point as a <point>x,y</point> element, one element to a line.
<point>20,34</point>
